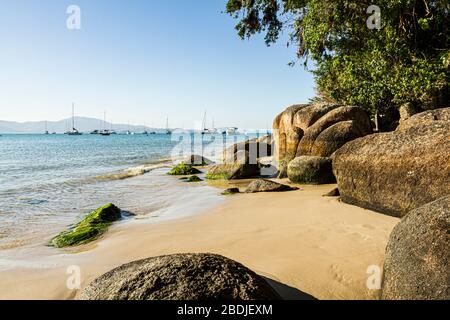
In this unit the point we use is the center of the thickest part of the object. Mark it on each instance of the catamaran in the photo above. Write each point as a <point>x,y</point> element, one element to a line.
<point>73,131</point>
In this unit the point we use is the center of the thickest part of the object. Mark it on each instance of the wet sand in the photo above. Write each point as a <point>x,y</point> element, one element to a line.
<point>306,244</point>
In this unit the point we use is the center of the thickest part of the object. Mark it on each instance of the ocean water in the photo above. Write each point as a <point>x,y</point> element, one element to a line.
<point>48,182</point>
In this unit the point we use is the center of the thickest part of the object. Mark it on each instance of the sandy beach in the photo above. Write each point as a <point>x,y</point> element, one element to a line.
<point>306,244</point>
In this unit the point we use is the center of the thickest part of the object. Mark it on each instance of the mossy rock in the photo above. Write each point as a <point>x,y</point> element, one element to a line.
<point>89,229</point>
<point>232,171</point>
<point>193,179</point>
<point>311,170</point>
<point>183,170</point>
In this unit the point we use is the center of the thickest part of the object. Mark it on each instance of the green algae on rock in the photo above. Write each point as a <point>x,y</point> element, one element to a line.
<point>89,229</point>
<point>183,170</point>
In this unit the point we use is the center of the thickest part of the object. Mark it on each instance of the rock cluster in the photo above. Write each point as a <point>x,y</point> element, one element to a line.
<point>316,130</point>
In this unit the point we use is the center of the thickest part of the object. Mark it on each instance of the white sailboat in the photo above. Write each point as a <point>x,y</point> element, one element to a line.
<point>168,131</point>
<point>73,131</point>
<point>207,130</point>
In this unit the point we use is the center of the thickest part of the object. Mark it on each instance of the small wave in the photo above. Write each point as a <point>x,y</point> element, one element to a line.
<point>134,171</point>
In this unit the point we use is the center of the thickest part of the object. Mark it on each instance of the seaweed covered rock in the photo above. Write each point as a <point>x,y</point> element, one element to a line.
<point>399,171</point>
<point>90,228</point>
<point>264,185</point>
<point>418,257</point>
<point>180,277</point>
<point>183,169</point>
<point>311,170</point>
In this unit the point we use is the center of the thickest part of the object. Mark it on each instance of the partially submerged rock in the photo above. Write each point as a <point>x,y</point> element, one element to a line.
<point>89,229</point>
<point>230,191</point>
<point>311,170</point>
<point>264,185</point>
<point>396,172</point>
<point>418,257</point>
<point>180,277</point>
<point>183,170</point>
<point>196,160</point>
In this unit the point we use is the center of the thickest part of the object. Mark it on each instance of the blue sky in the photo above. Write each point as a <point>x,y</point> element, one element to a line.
<point>141,61</point>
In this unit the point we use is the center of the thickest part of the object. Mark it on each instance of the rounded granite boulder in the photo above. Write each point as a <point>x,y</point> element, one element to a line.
<point>311,170</point>
<point>180,277</point>
<point>418,257</point>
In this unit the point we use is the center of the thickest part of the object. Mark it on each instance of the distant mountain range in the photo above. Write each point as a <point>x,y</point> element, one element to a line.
<point>81,123</point>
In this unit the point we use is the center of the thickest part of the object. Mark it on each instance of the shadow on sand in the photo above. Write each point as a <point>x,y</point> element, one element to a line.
<point>288,293</point>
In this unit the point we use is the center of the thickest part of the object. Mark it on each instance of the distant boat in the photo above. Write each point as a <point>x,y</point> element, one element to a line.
<point>95,132</point>
<point>207,130</point>
<point>46,131</point>
<point>231,131</point>
<point>73,132</point>
<point>104,132</point>
<point>168,131</point>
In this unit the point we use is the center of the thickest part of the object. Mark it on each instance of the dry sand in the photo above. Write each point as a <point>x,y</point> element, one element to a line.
<point>302,241</point>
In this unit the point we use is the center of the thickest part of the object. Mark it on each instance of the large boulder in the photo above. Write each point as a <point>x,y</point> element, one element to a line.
<point>360,127</point>
<point>308,115</point>
<point>180,277</point>
<point>293,137</point>
<point>334,137</point>
<point>311,170</point>
<point>264,185</point>
<point>418,257</point>
<point>399,171</point>
<point>254,148</point>
<point>316,129</point>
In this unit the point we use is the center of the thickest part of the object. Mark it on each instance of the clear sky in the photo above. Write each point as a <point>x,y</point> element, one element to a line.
<point>141,61</point>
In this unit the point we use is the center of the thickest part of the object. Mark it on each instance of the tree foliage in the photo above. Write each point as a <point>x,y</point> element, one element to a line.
<point>406,60</point>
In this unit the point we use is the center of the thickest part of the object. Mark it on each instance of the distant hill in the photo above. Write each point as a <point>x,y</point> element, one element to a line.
<point>81,123</point>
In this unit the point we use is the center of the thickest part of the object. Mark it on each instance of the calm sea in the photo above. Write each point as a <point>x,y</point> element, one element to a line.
<point>48,182</point>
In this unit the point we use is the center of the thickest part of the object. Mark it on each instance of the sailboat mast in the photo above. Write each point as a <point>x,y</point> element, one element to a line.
<point>73,115</point>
